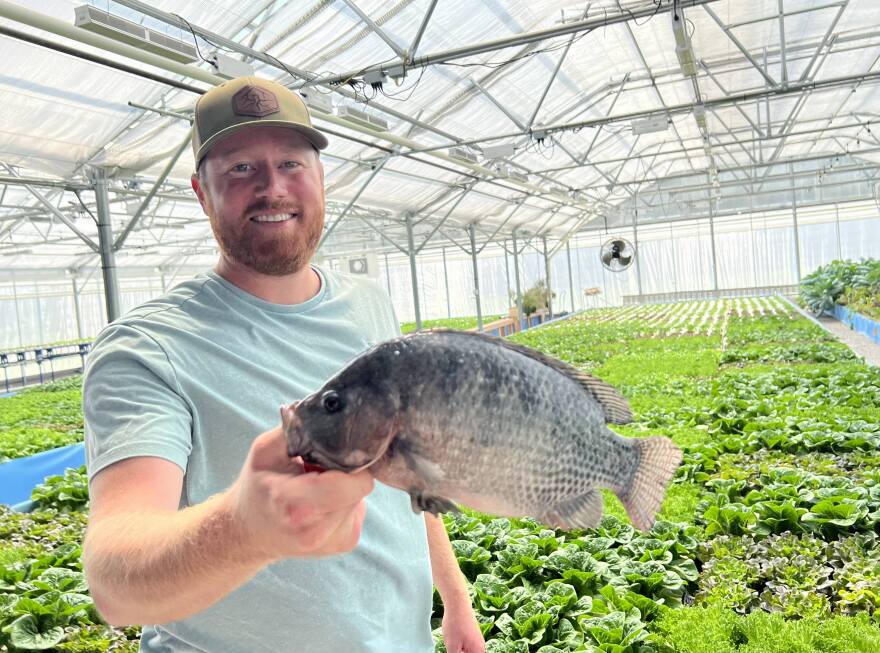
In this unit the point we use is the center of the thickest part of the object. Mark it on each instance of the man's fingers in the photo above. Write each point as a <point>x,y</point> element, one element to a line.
<point>328,492</point>
<point>269,452</point>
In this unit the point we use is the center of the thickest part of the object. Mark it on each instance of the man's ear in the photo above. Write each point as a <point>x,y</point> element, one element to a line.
<point>200,192</point>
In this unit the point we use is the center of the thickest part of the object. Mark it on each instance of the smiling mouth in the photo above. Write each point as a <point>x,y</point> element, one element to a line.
<point>274,217</point>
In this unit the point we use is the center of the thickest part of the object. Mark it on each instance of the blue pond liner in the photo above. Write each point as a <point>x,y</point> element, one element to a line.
<point>19,476</point>
<point>858,322</point>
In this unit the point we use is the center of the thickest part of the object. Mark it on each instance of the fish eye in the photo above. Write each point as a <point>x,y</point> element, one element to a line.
<point>331,401</point>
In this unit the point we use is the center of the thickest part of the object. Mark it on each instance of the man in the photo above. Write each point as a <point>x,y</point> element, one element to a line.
<point>202,527</point>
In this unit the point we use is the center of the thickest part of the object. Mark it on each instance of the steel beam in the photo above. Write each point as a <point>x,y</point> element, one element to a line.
<point>679,109</point>
<point>445,283</point>
<point>782,43</point>
<point>547,278</point>
<point>418,39</point>
<point>354,199</point>
<point>105,238</point>
<point>413,269</point>
<point>797,239</point>
<point>519,297</point>
<point>155,189</point>
<point>739,45</point>
<point>519,39</point>
<point>570,281</point>
<point>550,82</point>
<point>476,276</point>
<point>376,29</point>
<point>54,211</point>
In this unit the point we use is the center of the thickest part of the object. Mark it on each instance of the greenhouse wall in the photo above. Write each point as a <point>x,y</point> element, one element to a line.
<point>753,251</point>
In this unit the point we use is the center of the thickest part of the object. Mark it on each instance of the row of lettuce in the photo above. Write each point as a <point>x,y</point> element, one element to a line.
<point>854,284</point>
<point>767,540</point>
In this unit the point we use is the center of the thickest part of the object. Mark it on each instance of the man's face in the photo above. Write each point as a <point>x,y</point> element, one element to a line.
<point>263,189</point>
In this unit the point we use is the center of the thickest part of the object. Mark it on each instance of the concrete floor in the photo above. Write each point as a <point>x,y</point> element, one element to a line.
<point>860,344</point>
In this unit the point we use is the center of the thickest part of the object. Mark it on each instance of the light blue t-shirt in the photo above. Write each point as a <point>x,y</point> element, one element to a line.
<point>193,377</point>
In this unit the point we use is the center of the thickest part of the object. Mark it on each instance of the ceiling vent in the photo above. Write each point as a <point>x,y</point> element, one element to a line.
<point>362,118</point>
<point>94,20</point>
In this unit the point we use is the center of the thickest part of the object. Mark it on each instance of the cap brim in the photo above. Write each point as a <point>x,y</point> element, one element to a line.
<point>311,134</point>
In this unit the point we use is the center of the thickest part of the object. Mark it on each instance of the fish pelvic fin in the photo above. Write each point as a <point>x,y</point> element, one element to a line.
<point>582,511</point>
<point>658,460</point>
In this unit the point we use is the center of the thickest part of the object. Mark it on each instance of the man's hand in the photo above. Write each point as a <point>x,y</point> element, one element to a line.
<point>461,632</point>
<point>285,512</point>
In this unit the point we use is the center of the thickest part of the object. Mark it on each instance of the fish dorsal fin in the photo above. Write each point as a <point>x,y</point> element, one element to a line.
<point>614,404</point>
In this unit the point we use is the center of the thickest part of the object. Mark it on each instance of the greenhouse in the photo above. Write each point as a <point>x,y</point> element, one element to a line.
<point>673,205</point>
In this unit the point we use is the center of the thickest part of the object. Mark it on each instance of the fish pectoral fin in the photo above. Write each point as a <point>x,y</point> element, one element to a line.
<point>582,511</point>
<point>422,502</point>
<point>424,468</point>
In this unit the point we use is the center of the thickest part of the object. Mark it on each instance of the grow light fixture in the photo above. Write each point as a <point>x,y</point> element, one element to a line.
<point>519,176</point>
<point>683,48</point>
<point>317,100</point>
<point>362,118</point>
<point>462,154</point>
<point>650,125</point>
<point>106,24</point>
<point>700,117</point>
<point>501,151</point>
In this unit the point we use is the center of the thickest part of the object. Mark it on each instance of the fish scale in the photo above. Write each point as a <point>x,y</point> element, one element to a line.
<point>460,417</point>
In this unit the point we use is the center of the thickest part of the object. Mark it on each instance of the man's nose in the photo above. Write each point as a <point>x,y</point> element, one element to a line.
<point>271,183</point>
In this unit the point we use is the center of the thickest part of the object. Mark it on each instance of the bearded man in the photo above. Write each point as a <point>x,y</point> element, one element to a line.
<point>204,532</point>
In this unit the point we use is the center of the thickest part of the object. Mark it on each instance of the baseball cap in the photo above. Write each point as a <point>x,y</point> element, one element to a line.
<point>244,102</point>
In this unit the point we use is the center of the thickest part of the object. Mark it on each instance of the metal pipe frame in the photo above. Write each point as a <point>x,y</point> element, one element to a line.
<point>508,42</point>
<point>783,53</point>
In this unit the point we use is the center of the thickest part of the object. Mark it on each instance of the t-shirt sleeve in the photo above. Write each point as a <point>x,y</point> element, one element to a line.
<point>132,403</point>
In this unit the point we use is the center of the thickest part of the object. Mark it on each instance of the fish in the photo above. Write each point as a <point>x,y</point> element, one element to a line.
<point>463,418</point>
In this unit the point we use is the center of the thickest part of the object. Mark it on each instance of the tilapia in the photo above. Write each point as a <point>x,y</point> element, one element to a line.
<point>461,417</point>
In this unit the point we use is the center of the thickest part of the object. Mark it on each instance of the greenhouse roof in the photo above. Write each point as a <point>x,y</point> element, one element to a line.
<point>545,118</point>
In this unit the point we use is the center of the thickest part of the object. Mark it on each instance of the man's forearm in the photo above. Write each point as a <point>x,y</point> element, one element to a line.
<point>160,566</point>
<point>448,579</point>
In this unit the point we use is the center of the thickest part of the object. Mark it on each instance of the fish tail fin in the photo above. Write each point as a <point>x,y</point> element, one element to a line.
<point>658,460</point>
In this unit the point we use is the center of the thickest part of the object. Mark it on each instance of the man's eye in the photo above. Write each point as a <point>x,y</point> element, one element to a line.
<point>291,164</point>
<point>241,167</point>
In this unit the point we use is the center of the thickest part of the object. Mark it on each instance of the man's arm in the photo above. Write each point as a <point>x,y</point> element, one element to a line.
<point>148,562</point>
<point>460,629</point>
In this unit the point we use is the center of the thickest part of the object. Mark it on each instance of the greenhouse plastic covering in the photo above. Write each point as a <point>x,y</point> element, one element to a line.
<point>787,177</point>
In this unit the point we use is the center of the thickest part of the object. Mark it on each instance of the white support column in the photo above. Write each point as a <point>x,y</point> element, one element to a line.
<point>76,308</point>
<point>105,244</point>
<point>570,280</point>
<point>414,279</point>
<point>519,298</point>
<point>548,280</point>
<point>797,239</point>
<point>476,276</point>
<point>446,284</point>
<point>712,241</point>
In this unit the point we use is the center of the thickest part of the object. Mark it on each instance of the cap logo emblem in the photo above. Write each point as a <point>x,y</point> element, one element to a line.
<point>254,101</point>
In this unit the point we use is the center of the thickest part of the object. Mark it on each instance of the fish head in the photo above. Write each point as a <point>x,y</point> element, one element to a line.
<point>346,427</point>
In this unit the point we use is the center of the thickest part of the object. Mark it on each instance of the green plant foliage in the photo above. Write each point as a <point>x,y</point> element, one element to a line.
<point>536,587</point>
<point>41,418</point>
<point>772,524</point>
<point>63,493</point>
<point>821,289</point>
<point>716,630</point>
<point>538,296</point>
<point>865,301</point>
<point>459,323</point>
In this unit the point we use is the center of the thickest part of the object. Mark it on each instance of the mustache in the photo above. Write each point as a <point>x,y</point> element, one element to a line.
<point>266,205</point>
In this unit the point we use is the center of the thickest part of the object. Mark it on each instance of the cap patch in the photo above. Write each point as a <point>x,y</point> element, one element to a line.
<point>254,101</point>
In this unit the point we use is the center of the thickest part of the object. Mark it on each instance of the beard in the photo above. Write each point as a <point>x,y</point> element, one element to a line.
<point>285,252</point>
